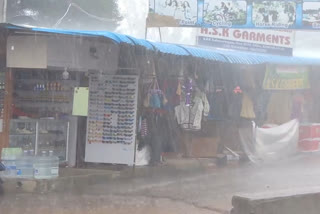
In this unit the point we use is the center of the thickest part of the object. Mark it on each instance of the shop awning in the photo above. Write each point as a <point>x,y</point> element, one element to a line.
<point>255,58</point>
<point>234,57</point>
<point>170,49</point>
<point>206,54</point>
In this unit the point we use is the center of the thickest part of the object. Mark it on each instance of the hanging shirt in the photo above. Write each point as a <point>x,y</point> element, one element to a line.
<point>190,117</point>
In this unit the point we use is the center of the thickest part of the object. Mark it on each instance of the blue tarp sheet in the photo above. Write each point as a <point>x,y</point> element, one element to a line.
<point>235,57</point>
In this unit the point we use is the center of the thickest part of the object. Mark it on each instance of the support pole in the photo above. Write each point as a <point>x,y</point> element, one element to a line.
<point>160,34</point>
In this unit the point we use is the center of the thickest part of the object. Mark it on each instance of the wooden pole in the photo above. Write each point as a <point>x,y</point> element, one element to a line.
<point>4,136</point>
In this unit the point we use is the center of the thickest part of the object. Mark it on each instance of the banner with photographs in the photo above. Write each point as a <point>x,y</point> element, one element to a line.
<point>263,14</point>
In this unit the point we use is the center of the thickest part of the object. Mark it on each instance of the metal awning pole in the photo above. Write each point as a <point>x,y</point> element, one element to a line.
<point>4,11</point>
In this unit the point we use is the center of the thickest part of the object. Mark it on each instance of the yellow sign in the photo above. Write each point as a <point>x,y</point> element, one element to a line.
<point>80,101</point>
<point>286,78</point>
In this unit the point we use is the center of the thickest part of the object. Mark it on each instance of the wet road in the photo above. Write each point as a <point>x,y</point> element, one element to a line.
<point>198,193</point>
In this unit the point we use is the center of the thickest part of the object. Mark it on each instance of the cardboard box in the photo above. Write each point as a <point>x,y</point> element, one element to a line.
<point>202,147</point>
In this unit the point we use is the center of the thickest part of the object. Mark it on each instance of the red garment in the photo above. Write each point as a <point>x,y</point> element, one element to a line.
<point>19,113</point>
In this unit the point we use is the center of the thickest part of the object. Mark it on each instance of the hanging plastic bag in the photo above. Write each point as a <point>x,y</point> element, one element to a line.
<point>155,95</point>
<point>155,101</point>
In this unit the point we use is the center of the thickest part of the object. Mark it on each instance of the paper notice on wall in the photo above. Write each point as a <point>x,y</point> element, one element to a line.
<point>80,101</point>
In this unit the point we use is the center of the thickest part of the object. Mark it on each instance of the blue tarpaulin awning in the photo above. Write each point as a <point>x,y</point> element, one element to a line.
<point>234,57</point>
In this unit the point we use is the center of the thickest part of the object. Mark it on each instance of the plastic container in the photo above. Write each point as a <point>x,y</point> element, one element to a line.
<point>24,165</point>
<point>11,169</point>
<point>54,165</point>
<point>9,158</point>
<point>42,166</point>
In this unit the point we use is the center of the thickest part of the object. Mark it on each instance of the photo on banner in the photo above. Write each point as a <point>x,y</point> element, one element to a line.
<point>274,14</point>
<point>175,12</point>
<point>311,14</point>
<point>258,14</point>
<point>225,13</point>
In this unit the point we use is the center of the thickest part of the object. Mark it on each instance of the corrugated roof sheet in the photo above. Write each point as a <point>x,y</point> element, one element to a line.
<point>209,54</point>
<point>206,54</point>
<point>142,42</point>
<point>256,58</point>
<point>170,49</point>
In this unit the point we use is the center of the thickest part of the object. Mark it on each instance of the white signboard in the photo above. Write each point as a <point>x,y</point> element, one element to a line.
<point>111,128</point>
<point>278,42</point>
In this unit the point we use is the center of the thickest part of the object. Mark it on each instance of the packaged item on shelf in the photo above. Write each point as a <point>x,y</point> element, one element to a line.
<point>37,91</point>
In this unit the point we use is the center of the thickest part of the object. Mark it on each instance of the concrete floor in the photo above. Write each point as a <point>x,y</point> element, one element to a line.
<point>209,192</point>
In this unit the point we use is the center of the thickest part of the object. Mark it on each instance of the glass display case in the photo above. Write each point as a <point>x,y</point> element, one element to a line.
<point>41,135</point>
<point>53,136</point>
<point>23,134</point>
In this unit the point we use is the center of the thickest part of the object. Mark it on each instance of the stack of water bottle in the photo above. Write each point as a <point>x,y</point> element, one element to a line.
<point>26,165</point>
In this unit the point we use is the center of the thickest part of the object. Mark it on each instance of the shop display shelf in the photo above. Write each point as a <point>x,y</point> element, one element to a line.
<point>42,81</point>
<point>22,134</point>
<point>47,102</point>
<point>44,92</point>
<point>51,133</point>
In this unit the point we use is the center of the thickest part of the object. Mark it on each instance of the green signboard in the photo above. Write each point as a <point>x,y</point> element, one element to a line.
<point>286,78</point>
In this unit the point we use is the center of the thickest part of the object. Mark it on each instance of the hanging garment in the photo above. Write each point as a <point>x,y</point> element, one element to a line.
<point>191,117</point>
<point>279,108</point>
<point>247,110</point>
<point>234,105</point>
<point>297,107</point>
<point>153,138</point>
<point>170,92</point>
<point>179,90</point>
<point>246,79</point>
<point>182,113</point>
<point>144,128</point>
<point>218,105</point>
<point>188,91</point>
<point>173,132</point>
<point>261,101</point>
